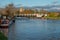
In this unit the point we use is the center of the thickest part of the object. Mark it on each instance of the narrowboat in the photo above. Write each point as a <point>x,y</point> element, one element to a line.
<point>4,23</point>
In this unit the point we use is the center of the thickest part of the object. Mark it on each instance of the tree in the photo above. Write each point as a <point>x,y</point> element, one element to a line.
<point>10,9</point>
<point>28,11</point>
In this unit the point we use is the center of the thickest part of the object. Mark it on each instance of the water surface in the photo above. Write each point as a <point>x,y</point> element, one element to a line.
<point>35,29</point>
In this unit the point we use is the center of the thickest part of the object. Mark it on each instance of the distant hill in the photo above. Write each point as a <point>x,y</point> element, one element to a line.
<point>51,8</point>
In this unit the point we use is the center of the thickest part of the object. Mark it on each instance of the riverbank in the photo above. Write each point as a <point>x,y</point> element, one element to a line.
<point>54,18</point>
<point>4,31</point>
<point>3,37</point>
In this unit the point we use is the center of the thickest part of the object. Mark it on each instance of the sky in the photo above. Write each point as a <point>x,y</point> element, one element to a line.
<point>28,2</point>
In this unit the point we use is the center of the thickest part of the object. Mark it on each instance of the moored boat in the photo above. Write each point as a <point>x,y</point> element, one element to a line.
<point>4,23</point>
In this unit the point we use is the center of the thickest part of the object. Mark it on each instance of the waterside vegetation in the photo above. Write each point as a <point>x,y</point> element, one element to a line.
<point>3,37</point>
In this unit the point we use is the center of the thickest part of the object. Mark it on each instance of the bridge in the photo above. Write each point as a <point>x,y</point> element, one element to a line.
<point>31,15</point>
<point>26,15</point>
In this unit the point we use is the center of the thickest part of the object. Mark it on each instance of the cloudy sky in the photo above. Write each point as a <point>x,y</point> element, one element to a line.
<point>29,2</point>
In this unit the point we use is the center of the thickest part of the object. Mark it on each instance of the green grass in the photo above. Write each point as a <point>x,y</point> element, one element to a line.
<point>2,37</point>
<point>53,18</point>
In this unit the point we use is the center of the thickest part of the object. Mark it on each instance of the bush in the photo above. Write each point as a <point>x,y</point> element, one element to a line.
<point>2,37</point>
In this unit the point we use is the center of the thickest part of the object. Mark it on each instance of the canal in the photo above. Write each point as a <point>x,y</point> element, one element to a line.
<point>34,29</point>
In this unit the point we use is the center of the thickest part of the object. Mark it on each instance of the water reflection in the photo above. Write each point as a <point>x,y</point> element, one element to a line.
<point>35,29</point>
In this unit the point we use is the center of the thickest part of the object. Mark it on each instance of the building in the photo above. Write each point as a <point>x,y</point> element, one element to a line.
<point>21,9</point>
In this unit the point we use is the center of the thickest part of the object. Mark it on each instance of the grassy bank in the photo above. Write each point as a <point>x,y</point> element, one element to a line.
<point>56,18</point>
<point>2,37</point>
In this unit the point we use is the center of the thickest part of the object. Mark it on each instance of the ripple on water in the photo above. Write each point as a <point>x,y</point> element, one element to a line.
<point>35,29</point>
